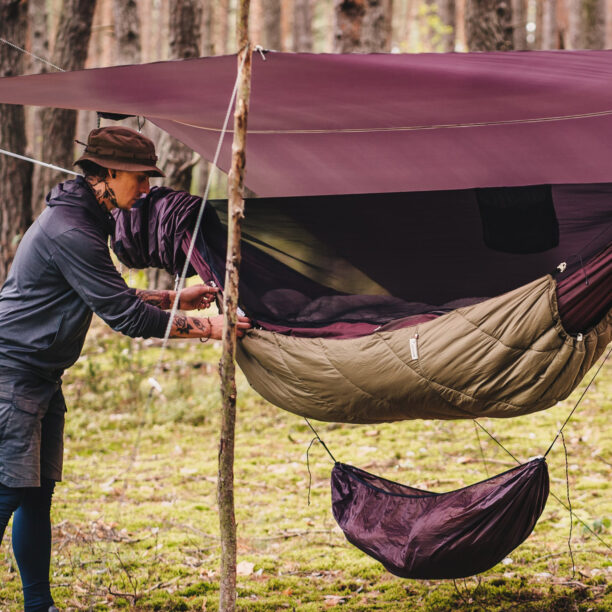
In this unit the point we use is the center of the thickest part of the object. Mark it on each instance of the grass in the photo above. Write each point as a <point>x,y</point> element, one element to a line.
<point>135,520</point>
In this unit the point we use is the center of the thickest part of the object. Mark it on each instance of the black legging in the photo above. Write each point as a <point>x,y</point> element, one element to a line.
<point>31,539</point>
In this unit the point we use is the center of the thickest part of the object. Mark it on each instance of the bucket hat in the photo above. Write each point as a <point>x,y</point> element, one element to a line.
<point>120,148</point>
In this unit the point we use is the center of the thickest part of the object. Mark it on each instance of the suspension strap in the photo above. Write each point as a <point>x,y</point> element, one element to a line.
<point>578,402</point>
<point>40,163</point>
<point>314,431</point>
<point>495,440</point>
<point>36,57</point>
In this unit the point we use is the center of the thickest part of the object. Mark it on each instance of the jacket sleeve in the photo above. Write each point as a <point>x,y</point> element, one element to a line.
<point>84,260</point>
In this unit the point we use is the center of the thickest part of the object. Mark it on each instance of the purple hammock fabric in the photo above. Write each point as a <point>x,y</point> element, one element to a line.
<point>585,294</point>
<point>288,273</point>
<point>419,534</point>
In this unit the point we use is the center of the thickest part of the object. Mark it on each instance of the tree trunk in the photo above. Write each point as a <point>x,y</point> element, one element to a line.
<point>437,25</point>
<point>207,32</point>
<point>286,25</point>
<point>185,42</point>
<point>550,35</point>
<point>593,24</point>
<point>127,31</point>
<point>488,25</point>
<point>460,35</point>
<point>59,125</point>
<point>128,49</point>
<point>362,26</point>
<point>176,159</point>
<point>15,175</point>
<point>208,49</point>
<point>302,26</point>
<point>39,45</point>
<point>562,20</point>
<point>447,10</point>
<point>221,22</point>
<point>586,24</point>
<point>271,34</point>
<point>235,205</point>
<point>608,24</point>
<point>519,19</point>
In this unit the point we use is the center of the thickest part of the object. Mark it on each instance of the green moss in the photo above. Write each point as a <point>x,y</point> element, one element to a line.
<point>135,522</point>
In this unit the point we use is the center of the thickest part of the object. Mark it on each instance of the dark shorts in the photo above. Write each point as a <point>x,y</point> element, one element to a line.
<point>32,412</point>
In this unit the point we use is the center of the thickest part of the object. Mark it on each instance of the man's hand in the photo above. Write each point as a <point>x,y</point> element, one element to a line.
<point>197,297</point>
<point>216,325</point>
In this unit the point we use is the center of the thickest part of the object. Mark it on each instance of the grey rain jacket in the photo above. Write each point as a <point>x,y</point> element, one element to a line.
<point>63,272</point>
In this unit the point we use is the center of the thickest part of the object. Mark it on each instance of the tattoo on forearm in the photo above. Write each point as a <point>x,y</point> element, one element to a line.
<point>199,324</point>
<point>182,324</point>
<point>161,299</point>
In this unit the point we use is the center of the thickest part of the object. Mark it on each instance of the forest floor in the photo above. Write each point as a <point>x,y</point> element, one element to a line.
<point>135,520</point>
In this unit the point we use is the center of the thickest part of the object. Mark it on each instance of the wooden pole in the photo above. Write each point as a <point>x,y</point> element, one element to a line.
<point>235,204</point>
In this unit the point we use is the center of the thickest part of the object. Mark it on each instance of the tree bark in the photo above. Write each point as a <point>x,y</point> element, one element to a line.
<point>128,48</point>
<point>519,19</point>
<point>593,24</point>
<point>127,31</point>
<point>460,34</point>
<point>362,26</point>
<point>438,25</point>
<point>207,32</point>
<point>586,24</point>
<point>608,24</point>
<point>235,204</point>
<point>271,33</point>
<point>15,174</point>
<point>208,49</point>
<point>175,159</point>
<point>447,10</point>
<point>488,25</point>
<point>185,42</point>
<point>59,125</point>
<point>222,28</point>
<point>550,35</point>
<point>39,45</point>
<point>302,26</point>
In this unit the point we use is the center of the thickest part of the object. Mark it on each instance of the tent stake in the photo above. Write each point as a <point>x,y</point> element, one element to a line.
<point>235,203</point>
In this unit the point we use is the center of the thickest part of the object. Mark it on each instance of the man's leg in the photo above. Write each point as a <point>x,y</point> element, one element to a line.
<point>32,545</point>
<point>9,502</point>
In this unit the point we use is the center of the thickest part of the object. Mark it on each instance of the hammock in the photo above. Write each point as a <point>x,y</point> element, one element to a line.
<point>503,357</point>
<point>418,534</point>
<point>323,352</point>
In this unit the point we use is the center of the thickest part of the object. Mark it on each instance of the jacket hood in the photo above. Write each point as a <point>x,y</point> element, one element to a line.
<point>77,193</point>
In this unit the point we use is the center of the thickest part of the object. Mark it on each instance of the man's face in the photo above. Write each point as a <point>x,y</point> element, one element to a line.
<point>127,187</point>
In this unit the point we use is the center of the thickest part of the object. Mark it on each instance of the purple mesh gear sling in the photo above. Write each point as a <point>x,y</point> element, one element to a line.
<point>419,534</point>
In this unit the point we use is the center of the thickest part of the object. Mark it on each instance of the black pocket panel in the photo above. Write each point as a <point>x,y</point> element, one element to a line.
<point>518,219</point>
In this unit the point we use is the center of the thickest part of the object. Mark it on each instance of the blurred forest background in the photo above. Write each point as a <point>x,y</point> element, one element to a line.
<point>74,34</point>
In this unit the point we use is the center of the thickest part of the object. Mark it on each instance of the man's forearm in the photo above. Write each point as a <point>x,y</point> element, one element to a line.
<point>161,299</point>
<point>191,327</point>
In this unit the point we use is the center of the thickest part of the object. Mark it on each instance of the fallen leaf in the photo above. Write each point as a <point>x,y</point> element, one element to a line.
<point>333,600</point>
<point>245,568</point>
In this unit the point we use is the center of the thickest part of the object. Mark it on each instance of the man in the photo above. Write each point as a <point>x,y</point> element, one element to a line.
<point>61,274</point>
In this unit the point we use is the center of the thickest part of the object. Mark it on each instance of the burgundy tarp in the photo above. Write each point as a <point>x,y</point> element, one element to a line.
<point>331,124</point>
<point>420,534</point>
